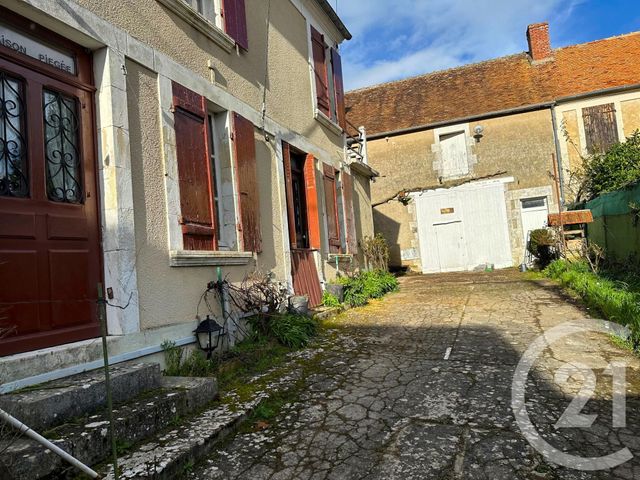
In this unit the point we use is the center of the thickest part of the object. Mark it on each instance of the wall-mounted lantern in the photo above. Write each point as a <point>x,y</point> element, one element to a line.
<point>478,133</point>
<point>208,335</point>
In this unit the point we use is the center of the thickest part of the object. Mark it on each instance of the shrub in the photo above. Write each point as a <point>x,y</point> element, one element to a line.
<point>610,297</point>
<point>359,288</point>
<point>542,245</point>
<point>613,170</point>
<point>290,329</point>
<point>376,252</point>
<point>195,364</point>
<point>330,300</point>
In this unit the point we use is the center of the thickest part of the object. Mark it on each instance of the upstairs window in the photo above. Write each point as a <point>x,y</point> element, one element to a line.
<point>327,66</point>
<point>227,15</point>
<point>455,161</point>
<point>600,127</point>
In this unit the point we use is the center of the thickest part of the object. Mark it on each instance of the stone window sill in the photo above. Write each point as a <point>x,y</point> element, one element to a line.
<point>197,21</point>
<point>197,258</point>
<point>327,122</point>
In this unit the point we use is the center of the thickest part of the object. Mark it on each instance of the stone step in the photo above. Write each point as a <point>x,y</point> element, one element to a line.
<point>53,403</point>
<point>170,454</point>
<point>87,438</point>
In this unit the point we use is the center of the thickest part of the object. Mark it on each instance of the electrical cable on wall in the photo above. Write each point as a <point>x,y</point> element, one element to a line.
<point>266,73</point>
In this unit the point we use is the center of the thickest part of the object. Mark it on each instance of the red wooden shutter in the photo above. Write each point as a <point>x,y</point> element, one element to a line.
<point>286,156</point>
<point>235,21</point>
<point>320,69</point>
<point>331,204</point>
<point>336,61</point>
<point>313,216</point>
<point>194,170</point>
<point>245,151</point>
<point>347,200</point>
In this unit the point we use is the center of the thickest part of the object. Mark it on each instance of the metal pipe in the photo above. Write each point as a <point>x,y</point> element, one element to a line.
<point>22,428</point>
<point>556,140</point>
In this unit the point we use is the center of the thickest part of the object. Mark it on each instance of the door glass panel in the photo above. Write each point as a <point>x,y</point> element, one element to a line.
<point>13,146</point>
<point>61,130</point>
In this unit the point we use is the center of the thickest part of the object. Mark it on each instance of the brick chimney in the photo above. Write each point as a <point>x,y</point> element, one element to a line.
<point>539,42</point>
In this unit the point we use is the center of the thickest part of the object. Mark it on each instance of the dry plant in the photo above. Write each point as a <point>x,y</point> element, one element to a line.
<point>376,252</point>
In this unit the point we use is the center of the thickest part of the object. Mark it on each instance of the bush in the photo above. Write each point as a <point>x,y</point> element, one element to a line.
<point>365,285</point>
<point>330,300</point>
<point>195,364</point>
<point>376,252</point>
<point>613,170</point>
<point>291,330</point>
<point>543,246</point>
<point>610,297</point>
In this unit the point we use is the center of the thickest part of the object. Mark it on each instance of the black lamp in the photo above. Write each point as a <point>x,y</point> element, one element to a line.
<point>205,333</point>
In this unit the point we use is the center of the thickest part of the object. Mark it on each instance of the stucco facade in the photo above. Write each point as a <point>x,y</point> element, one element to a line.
<point>140,50</point>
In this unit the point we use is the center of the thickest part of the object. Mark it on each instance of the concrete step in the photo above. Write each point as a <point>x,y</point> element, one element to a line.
<point>87,438</point>
<point>47,405</point>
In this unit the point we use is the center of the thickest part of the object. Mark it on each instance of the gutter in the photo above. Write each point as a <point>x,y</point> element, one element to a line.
<point>595,93</point>
<point>482,116</point>
<point>331,13</point>
<point>556,140</point>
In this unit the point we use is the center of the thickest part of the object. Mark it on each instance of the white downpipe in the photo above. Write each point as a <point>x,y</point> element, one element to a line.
<point>22,428</point>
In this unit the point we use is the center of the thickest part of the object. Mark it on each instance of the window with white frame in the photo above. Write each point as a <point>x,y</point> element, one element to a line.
<point>209,9</point>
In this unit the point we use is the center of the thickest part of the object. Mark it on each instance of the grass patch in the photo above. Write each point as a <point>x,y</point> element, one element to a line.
<point>612,298</point>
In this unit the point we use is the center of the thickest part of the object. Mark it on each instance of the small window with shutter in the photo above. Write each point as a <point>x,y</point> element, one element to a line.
<point>331,207</point>
<point>600,127</point>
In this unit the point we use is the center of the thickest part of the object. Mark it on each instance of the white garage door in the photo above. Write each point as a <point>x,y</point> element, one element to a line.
<point>463,228</point>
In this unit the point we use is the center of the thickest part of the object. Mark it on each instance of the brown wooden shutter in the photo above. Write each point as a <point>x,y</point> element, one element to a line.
<point>286,156</point>
<point>331,204</point>
<point>336,61</point>
<point>235,21</point>
<point>320,69</point>
<point>600,127</point>
<point>247,179</point>
<point>313,216</point>
<point>194,170</point>
<point>347,200</point>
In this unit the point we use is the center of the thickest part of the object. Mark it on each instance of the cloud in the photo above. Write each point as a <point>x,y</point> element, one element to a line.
<point>403,38</point>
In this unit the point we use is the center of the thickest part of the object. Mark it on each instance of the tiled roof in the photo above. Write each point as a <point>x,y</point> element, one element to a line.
<point>495,85</point>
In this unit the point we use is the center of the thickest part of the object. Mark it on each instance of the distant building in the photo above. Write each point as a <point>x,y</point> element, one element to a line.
<point>507,117</point>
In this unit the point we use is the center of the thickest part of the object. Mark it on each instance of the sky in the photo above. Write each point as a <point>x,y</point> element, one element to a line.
<point>394,39</point>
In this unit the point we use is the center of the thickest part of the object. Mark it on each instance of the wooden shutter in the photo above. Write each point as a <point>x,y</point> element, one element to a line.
<point>331,205</point>
<point>247,179</point>
<point>347,200</point>
<point>320,69</point>
<point>600,127</point>
<point>286,156</point>
<point>194,170</point>
<point>235,21</point>
<point>311,194</point>
<point>336,61</point>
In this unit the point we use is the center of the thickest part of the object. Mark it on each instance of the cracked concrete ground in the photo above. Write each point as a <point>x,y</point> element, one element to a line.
<point>382,402</point>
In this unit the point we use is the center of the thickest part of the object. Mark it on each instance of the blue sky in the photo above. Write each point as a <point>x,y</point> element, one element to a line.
<point>395,39</point>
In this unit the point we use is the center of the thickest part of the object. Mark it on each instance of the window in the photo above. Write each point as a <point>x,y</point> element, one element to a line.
<point>227,15</point>
<point>331,206</point>
<point>453,148</point>
<point>206,177</point>
<point>600,127</point>
<point>13,149</point>
<point>209,9</point>
<point>327,66</point>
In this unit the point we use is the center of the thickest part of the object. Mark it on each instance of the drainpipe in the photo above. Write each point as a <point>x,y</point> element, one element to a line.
<point>558,155</point>
<point>22,428</point>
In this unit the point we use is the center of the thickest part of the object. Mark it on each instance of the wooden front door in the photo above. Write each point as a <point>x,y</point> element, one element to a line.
<point>302,213</point>
<point>49,233</point>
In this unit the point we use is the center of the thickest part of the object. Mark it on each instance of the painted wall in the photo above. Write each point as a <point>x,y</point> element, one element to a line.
<point>517,145</point>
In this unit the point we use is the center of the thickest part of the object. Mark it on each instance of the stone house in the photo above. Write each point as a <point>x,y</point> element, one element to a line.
<point>145,144</point>
<point>493,127</point>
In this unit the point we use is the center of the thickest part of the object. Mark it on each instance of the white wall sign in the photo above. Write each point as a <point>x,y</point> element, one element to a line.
<point>33,48</point>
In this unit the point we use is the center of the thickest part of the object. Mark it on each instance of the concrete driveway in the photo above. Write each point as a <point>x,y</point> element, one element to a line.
<point>419,386</point>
